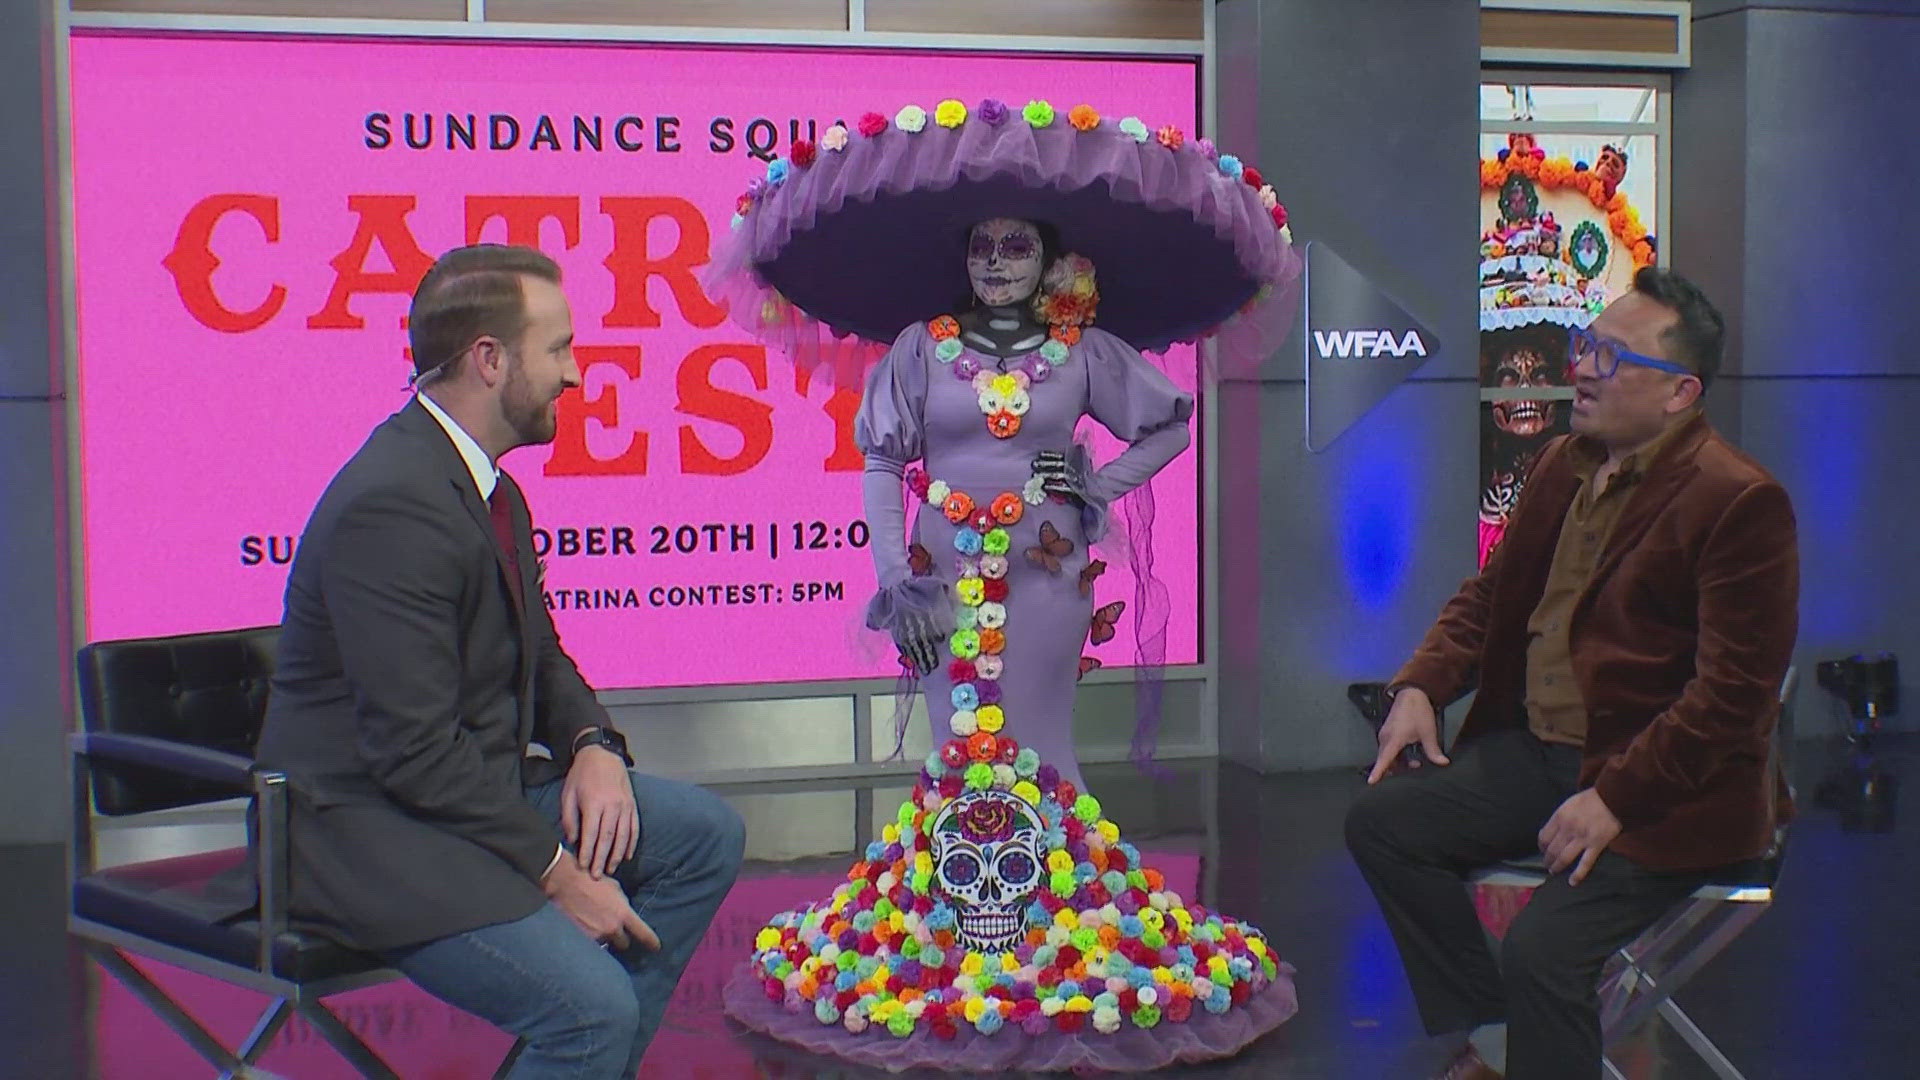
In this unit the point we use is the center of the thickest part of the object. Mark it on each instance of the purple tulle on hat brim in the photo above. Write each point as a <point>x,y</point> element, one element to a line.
<point>1202,1037</point>
<point>831,264</point>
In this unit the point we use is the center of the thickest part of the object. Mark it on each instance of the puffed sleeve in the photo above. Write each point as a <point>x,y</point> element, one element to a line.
<point>888,427</point>
<point>1137,403</point>
<point>888,430</point>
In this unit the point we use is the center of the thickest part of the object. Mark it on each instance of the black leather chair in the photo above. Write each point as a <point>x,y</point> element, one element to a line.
<point>1640,980</point>
<point>171,722</point>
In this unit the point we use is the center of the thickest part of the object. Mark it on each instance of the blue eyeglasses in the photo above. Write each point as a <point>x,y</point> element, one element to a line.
<point>1608,353</point>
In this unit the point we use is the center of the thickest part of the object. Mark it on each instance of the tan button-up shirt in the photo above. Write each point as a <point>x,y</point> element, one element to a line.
<point>1556,710</point>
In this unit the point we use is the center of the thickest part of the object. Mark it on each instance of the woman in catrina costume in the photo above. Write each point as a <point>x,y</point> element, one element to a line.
<point>1008,266</point>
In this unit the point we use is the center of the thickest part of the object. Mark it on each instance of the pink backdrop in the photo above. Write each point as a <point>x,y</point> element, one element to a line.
<point>244,259</point>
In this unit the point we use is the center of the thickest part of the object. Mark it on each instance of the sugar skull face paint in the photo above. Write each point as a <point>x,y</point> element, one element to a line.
<point>1004,259</point>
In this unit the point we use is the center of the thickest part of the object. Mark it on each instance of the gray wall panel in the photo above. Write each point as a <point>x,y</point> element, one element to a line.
<point>28,365</point>
<point>35,667</point>
<point>1790,174</point>
<point>1832,160</point>
<point>1844,448</point>
<point>1353,549</point>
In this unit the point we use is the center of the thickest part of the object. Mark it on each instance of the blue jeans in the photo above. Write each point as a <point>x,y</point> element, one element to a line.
<point>586,1012</point>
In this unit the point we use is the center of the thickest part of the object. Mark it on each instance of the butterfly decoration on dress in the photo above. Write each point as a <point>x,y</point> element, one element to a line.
<point>1100,631</point>
<point>1088,664</point>
<point>1052,548</point>
<point>1089,572</point>
<point>919,560</point>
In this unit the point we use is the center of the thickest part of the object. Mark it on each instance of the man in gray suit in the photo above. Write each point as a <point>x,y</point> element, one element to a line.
<point>558,897</point>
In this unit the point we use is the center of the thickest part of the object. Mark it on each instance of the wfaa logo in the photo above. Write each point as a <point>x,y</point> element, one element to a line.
<point>1367,343</point>
<point>1359,346</point>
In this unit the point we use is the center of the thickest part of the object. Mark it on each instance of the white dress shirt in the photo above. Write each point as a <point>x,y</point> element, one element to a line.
<point>486,475</point>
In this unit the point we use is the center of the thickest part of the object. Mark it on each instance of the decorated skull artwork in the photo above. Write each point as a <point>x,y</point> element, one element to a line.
<point>1611,168</point>
<point>986,864</point>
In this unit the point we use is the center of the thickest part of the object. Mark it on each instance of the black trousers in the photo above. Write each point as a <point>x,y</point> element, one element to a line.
<point>1415,836</point>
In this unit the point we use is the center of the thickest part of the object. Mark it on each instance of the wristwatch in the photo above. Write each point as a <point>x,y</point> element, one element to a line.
<point>605,738</point>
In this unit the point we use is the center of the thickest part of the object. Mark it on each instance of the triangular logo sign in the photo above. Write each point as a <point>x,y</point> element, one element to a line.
<point>1359,343</point>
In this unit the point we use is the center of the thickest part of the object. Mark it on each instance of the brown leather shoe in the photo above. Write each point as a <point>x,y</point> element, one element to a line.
<point>1467,1065</point>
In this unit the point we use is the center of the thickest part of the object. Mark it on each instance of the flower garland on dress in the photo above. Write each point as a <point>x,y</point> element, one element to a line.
<point>1105,942</point>
<point>979,638</point>
<point>952,113</point>
<point>1004,396</point>
<point>1066,301</point>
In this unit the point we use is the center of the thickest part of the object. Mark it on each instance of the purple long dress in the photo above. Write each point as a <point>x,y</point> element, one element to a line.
<point>917,409</point>
<point>1000,922</point>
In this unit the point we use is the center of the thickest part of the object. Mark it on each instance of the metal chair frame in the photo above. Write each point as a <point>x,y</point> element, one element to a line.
<point>110,946</point>
<point>1640,980</point>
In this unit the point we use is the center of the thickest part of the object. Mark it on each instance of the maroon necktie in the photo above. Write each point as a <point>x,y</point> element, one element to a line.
<point>502,515</point>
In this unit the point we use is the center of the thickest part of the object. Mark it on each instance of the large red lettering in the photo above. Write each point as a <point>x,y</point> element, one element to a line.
<point>699,397</point>
<point>633,265</point>
<point>192,262</point>
<point>841,408</point>
<point>382,220</point>
<point>523,215</point>
<point>570,454</point>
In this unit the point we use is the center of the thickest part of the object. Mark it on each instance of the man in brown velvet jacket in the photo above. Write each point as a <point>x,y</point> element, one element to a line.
<point>1628,639</point>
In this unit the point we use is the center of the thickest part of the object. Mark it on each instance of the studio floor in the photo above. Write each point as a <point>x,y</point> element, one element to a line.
<point>1824,985</point>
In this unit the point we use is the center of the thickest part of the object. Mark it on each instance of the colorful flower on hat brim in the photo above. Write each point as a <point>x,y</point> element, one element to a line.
<point>910,121</point>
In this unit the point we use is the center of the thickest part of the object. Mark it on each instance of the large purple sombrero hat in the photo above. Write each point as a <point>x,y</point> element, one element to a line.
<point>847,242</point>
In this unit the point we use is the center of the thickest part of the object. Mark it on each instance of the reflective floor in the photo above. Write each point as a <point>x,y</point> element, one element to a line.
<point>1824,985</point>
